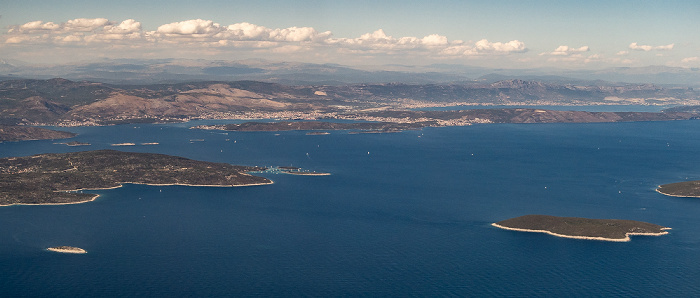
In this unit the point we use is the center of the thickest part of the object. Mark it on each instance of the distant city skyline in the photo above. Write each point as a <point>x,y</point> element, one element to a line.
<point>499,34</point>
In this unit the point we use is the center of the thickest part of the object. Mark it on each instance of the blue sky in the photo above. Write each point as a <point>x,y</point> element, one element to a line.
<point>514,34</point>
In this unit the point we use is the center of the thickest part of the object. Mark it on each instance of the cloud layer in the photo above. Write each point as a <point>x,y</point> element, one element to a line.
<point>86,38</point>
<point>647,48</point>
<point>571,55</point>
<point>566,50</point>
<point>208,34</point>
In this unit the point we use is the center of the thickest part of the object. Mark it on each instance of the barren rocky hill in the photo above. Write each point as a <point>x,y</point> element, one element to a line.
<point>59,100</point>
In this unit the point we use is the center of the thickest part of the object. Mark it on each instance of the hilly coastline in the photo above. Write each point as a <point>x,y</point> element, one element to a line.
<point>69,103</point>
<point>681,189</point>
<point>47,178</point>
<point>21,133</point>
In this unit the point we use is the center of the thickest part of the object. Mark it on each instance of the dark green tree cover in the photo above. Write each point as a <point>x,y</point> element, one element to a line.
<point>44,178</point>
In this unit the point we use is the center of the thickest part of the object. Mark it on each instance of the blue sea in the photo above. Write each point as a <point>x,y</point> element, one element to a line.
<point>403,214</point>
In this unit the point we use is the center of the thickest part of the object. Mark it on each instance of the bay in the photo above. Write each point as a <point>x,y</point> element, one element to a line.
<point>403,214</point>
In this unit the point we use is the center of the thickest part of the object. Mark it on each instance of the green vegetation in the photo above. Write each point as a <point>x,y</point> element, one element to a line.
<point>576,227</point>
<point>681,189</point>
<point>44,178</point>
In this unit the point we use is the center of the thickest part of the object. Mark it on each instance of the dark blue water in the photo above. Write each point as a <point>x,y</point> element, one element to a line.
<point>405,214</point>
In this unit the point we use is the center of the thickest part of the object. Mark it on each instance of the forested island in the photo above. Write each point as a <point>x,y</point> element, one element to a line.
<point>47,178</point>
<point>681,189</point>
<point>617,230</point>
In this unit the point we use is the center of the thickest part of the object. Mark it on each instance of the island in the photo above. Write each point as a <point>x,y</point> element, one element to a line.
<point>23,133</point>
<point>617,230</point>
<point>76,143</point>
<point>67,249</point>
<point>57,178</point>
<point>681,189</point>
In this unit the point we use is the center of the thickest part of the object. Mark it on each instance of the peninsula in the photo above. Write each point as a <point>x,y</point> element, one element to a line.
<point>681,189</point>
<point>395,121</point>
<point>617,230</point>
<point>23,133</point>
<point>48,178</point>
<point>308,173</point>
<point>67,249</point>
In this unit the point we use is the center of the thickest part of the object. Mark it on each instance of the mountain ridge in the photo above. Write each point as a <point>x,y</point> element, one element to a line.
<point>59,100</point>
<point>137,71</point>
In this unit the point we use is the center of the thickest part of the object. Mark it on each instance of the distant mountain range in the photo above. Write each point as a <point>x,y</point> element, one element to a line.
<point>142,71</point>
<point>27,101</point>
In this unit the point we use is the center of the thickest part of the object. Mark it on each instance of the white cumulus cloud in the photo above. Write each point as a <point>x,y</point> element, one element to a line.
<point>566,50</point>
<point>513,46</point>
<point>484,47</point>
<point>210,36</point>
<point>664,48</point>
<point>125,27</point>
<point>191,27</point>
<point>69,38</point>
<point>247,31</point>
<point>297,34</point>
<point>84,25</point>
<point>38,25</point>
<point>71,26</point>
<point>375,37</point>
<point>637,47</point>
<point>434,40</point>
<point>17,39</point>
